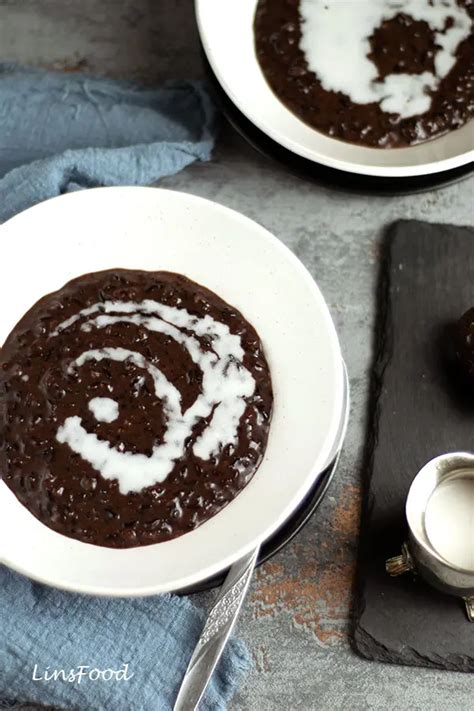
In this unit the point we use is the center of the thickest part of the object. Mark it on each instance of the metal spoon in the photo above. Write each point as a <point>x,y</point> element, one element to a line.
<point>224,613</point>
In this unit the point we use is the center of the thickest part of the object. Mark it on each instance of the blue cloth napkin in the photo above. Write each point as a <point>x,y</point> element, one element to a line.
<point>61,132</point>
<point>46,631</point>
<point>58,133</point>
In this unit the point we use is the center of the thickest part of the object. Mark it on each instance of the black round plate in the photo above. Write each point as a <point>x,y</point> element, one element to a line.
<point>321,174</point>
<point>285,533</point>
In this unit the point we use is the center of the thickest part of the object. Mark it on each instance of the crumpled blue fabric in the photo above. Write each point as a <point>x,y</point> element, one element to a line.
<point>63,132</point>
<point>45,630</point>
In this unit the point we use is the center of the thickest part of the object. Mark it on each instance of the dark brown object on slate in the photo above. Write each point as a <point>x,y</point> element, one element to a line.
<point>422,408</point>
<point>464,343</point>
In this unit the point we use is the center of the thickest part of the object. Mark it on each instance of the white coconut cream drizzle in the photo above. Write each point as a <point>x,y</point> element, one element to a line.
<point>225,385</point>
<point>104,409</point>
<point>335,41</point>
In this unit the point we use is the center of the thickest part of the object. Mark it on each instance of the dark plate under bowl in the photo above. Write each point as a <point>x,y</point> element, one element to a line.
<point>321,174</point>
<point>285,533</point>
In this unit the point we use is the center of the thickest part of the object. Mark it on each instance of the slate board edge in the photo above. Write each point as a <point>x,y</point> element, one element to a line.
<point>382,353</point>
<point>369,648</point>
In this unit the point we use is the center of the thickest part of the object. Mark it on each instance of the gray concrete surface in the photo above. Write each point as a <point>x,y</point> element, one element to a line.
<point>297,618</point>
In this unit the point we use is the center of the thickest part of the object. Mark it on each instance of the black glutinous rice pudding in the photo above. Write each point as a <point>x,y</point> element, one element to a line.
<point>133,407</point>
<point>377,73</point>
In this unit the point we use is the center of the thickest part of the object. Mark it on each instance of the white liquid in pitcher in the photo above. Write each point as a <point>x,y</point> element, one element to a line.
<point>449,520</point>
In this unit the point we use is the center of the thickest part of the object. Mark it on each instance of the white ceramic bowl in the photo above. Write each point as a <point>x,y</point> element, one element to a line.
<point>148,228</point>
<point>226,30</point>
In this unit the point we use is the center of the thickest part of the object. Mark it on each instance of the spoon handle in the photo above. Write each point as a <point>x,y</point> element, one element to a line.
<point>218,627</point>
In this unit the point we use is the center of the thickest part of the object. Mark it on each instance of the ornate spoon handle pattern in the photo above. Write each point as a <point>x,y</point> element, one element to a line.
<point>223,615</point>
<point>216,632</point>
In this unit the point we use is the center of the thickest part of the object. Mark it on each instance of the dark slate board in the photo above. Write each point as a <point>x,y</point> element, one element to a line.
<point>421,408</point>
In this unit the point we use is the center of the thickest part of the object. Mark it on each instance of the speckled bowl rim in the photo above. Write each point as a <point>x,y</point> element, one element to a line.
<point>161,229</point>
<point>226,31</point>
